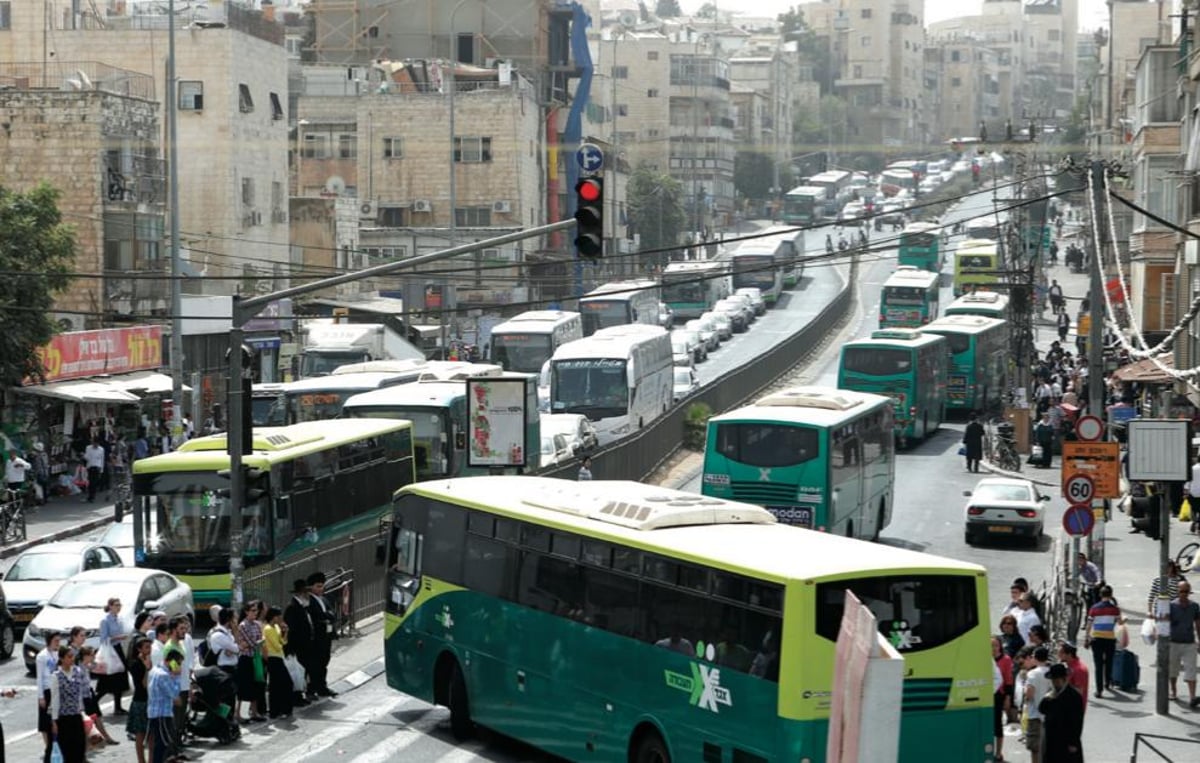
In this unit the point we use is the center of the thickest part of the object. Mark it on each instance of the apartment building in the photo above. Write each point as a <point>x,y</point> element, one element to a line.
<point>964,85</point>
<point>1135,26</point>
<point>998,29</point>
<point>92,132</point>
<point>232,72</point>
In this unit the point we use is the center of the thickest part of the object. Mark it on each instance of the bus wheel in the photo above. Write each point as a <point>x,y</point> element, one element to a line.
<point>650,748</point>
<point>458,702</point>
<point>879,520</point>
<point>850,530</point>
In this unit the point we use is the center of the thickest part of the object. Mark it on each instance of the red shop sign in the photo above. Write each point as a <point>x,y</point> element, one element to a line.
<point>78,354</point>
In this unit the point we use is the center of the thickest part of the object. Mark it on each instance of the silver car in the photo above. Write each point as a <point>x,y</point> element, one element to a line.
<point>707,330</point>
<point>37,573</point>
<point>82,598</point>
<point>721,324</point>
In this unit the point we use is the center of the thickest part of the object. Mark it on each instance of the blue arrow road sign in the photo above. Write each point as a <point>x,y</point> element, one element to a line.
<point>589,157</point>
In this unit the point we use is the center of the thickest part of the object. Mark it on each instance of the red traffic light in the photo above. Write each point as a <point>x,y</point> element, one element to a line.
<point>589,189</point>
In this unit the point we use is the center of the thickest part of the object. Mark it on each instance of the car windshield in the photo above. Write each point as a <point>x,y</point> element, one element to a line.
<point>118,534</point>
<point>1003,493</point>
<point>92,593</point>
<point>52,566</point>
<point>683,377</point>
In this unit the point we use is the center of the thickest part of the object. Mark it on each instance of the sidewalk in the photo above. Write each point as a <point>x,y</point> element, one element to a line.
<point>62,517</point>
<point>1130,563</point>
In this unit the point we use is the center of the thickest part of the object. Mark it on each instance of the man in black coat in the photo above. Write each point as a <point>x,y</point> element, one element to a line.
<point>300,631</point>
<point>973,444</point>
<point>1062,719</point>
<point>321,615</point>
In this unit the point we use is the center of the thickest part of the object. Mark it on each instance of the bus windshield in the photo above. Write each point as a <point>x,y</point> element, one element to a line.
<point>762,444</point>
<point>431,435</point>
<point>600,314</point>
<point>958,342</point>
<point>904,295</point>
<point>268,411</point>
<point>918,240</point>
<point>323,363</point>
<point>877,361</point>
<point>524,353</point>
<point>915,612</point>
<point>190,515</point>
<point>595,387</point>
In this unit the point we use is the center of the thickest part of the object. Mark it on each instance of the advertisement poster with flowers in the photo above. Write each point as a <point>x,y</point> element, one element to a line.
<point>496,422</point>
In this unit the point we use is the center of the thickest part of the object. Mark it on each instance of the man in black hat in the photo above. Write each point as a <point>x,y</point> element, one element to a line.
<point>322,619</point>
<point>300,631</point>
<point>1062,719</point>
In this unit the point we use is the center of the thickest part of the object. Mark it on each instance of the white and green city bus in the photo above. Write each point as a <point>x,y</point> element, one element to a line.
<point>617,622</point>
<point>691,288</point>
<point>310,485</point>
<point>815,457</point>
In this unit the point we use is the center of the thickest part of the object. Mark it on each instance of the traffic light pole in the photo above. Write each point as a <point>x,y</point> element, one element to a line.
<point>245,309</point>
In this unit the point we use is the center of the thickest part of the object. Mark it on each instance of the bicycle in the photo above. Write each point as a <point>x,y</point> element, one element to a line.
<point>12,518</point>
<point>1004,450</point>
<point>1188,556</point>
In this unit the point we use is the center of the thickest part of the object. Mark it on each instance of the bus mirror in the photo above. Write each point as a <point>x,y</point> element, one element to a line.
<point>460,440</point>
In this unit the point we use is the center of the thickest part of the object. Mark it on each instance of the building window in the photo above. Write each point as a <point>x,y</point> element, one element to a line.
<point>5,15</point>
<point>315,146</point>
<point>652,55</point>
<point>466,47</point>
<point>652,93</point>
<point>620,72</point>
<point>347,146</point>
<point>245,102</point>
<point>472,150</point>
<point>955,55</point>
<point>393,217</point>
<point>865,41</point>
<point>276,107</point>
<point>248,192</point>
<point>622,110</point>
<point>955,81</point>
<point>865,13</point>
<point>858,71</point>
<point>393,148</point>
<point>276,195</point>
<point>1053,35</point>
<point>473,217</point>
<point>191,95</point>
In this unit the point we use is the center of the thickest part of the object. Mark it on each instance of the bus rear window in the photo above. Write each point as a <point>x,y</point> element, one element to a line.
<point>876,361</point>
<point>904,295</point>
<point>766,444</point>
<point>958,342</point>
<point>915,612</point>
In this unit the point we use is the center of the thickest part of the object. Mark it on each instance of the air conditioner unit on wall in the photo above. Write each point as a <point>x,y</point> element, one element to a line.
<point>369,210</point>
<point>502,207</point>
<point>422,205</point>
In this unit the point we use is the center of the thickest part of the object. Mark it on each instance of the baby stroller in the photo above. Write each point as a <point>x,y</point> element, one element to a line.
<point>213,698</point>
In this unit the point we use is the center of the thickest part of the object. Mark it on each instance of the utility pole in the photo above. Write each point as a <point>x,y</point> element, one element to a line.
<point>176,346</point>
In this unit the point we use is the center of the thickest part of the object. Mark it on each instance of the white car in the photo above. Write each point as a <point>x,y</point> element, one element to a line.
<point>699,348</point>
<point>580,434</point>
<point>754,294</point>
<point>119,537</point>
<point>707,330</point>
<point>737,312</point>
<point>82,598</point>
<point>685,383</point>
<point>36,574</point>
<point>852,210</point>
<point>1004,506</point>
<point>681,351</point>
<point>737,296</point>
<point>555,449</point>
<point>666,316</point>
<point>721,324</point>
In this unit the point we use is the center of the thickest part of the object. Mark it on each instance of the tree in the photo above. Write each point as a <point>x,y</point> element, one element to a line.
<point>810,45</point>
<point>754,174</point>
<point>667,9</point>
<point>39,249</point>
<point>814,129</point>
<point>656,207</point>
<point>707,11</point>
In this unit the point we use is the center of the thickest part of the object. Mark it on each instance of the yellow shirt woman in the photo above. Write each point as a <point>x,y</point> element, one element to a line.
<point>275,640</point>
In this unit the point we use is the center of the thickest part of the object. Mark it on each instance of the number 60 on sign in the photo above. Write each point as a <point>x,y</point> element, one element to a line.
<point>1079,489</point>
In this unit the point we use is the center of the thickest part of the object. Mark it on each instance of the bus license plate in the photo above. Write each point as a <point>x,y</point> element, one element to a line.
<point>792,515</point>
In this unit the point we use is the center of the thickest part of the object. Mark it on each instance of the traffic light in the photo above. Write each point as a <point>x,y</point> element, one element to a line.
<point>589,218</point>
<point>1147,516</point>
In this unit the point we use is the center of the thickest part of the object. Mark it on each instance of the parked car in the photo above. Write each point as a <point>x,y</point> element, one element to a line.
<point>1004,506</point>
<point>707,330</point>
<point>81,599</point>
<point>555,449</point>
<point>754,294</point>
<point>119,537</point>
<point>737,311</point>
<point>666,316</point>
<point>580,433</point>
<point>37,573</point>
<point>751,315</point>
<point>852,210</point>
<point>681,351</point>
<point>8,632</point>
<point>699,349</point>
<point>685,383</point>
<point>721,323</point>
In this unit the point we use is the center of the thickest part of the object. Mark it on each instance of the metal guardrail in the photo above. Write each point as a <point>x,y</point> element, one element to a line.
<point>1142,740</point>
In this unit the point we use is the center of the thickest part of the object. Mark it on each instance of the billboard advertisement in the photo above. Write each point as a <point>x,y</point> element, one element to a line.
<point>79,354</point>
<point>496,422</point>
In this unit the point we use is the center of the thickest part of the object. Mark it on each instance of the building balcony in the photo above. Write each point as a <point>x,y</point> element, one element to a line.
<point>78,75</point>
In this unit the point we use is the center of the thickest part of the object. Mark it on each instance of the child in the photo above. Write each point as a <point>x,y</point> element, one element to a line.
<point>91,704</point>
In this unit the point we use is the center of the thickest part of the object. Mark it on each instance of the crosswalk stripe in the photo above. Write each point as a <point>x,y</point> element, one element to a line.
<point>389,748</point>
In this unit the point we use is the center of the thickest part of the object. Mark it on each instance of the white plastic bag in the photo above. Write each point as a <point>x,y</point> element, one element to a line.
<point>296,671</point>
<point>1149,631</point>
<point>107,661</point>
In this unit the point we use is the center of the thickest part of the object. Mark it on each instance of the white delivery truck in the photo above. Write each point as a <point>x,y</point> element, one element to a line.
<point>328,345</point>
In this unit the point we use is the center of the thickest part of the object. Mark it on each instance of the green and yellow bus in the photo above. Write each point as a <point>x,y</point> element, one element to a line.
<point>309,486</point>
<point>617,622</point>
<point>909,298</point>
<point>906,365</point>
<point>815,457</point>
<point>976,266</point>
<point>988,304</point>
<point>920,246</point>
<point>977,376</point>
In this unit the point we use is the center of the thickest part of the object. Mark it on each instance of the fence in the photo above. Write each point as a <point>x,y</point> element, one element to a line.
<point>1144,741</point>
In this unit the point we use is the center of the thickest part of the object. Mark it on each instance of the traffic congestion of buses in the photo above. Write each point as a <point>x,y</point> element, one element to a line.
<point>512,599</point>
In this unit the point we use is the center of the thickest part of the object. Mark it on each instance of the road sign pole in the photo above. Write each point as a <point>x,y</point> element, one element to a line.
<point>1162,703</point>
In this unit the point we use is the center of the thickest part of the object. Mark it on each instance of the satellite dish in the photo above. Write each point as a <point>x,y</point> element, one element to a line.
<point>335,185</point>
<point>628,19</point>
<point>83,79</point>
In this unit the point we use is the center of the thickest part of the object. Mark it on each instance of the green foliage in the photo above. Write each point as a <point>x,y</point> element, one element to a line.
<point>753,174</point>
<point>814,129</point>
<point>656,206</point>
<point>695,425</point>
<point>707,11</point>
<point>33,240</point>
<point>667,9</point>
<point>811,46</point>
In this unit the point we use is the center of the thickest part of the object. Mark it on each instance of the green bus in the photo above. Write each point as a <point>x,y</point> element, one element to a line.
<point>976,379</point>
<point>920,246</point>
<point>976,266</point>
<point>309,486</point>
<point>989,304</point>
<point>816,457</point>
<point>804,205</point>
<point>617,622</point>
<point>906,365</point>
<point>909,298</point>
<point>691,288</point>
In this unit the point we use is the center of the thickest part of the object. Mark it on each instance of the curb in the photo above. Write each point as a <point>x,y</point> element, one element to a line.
<point>1015,475</point>
<point>357,678</point>
<point>67,532</point>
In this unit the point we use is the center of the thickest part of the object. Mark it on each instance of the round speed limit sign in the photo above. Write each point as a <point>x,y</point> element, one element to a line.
<point>1079,489</point>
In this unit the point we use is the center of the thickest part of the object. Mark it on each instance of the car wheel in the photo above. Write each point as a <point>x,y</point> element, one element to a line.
<point>8,642</point>
<point>969,537</point>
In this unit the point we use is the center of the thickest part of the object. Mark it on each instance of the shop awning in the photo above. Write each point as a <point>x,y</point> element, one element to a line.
<point>1147,371</point>
<point>121,388</point>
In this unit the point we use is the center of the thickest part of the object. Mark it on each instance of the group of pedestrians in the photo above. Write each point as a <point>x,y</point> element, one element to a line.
<point>158,659</point>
